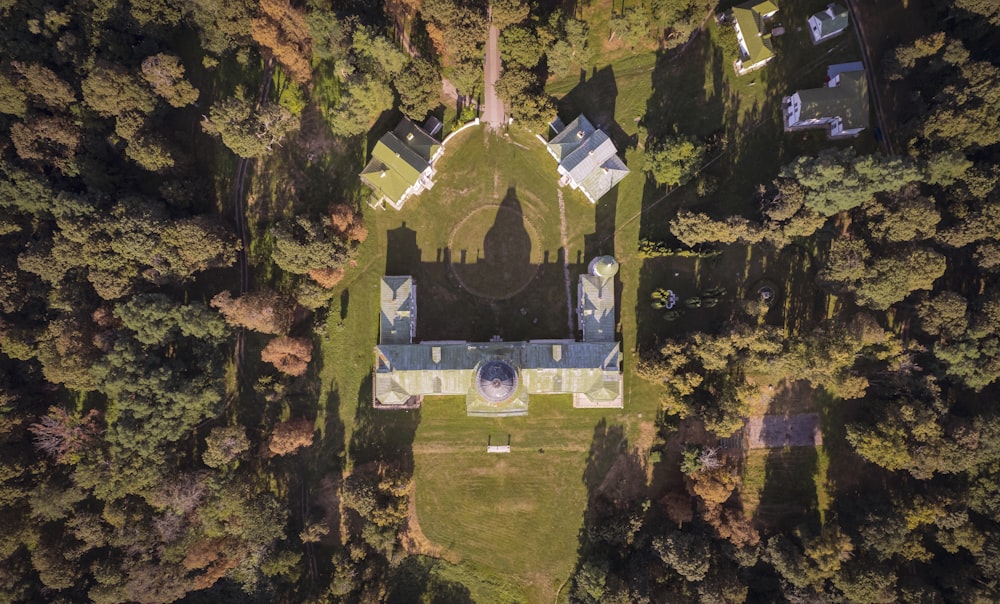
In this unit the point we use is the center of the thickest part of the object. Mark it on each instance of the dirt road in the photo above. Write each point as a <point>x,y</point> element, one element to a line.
<point>493,112</point>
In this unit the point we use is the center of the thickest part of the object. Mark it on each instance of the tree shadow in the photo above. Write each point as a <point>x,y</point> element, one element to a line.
<point>789,496</point>
<point>345,300</point>
<point>382,437</point>
<point>616,489</point>
<point>414,580</point>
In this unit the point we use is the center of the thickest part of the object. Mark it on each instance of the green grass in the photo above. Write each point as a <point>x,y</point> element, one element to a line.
<point>516,514</point>
<point>455,240</point>
<point>781,486</point>
<point>352,331</point>
<point>510,521</point>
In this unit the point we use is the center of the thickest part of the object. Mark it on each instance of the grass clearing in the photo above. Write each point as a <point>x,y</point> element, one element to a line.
<point>780,486</point>
<point>518,514</point>
<point>510,521</point>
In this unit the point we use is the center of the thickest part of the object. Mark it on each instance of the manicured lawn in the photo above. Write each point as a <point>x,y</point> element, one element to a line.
<point>486,247</point>
<point>511,522</point>
<point>485,244</point>
<point>517,514</point>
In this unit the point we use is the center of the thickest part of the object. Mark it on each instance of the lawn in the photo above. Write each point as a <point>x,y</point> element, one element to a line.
<point>516,514</point>
<point>510,522</point>
<point>784,487</point>
<point>487,246</point>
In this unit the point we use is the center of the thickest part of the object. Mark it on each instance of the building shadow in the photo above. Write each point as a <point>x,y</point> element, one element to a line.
<point>494,284</point>
<point>596,97</point>
<point>507,245</point>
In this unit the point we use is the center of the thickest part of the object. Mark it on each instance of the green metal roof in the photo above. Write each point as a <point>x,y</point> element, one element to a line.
<point>398,160</point>
<point>750,20</point>
<point>497,377</point>
<point>848,101</point>
<point>543,367</point>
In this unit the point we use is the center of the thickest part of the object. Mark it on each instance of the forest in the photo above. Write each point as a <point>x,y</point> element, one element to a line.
<point>180,209</point>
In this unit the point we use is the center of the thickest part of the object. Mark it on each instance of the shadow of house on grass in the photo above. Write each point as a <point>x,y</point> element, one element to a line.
<point>491,282</point>
<point>596,98</point>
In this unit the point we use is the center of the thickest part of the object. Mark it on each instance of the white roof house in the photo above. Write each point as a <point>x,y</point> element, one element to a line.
<point>588,159</point>
<point>827,23</point>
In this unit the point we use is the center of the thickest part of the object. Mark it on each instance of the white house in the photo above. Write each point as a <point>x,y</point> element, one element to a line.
<point>756,49</point>
<point>827,23</point>
<point>588,159</point>
<point>402,164</point>
<point>841,106</point>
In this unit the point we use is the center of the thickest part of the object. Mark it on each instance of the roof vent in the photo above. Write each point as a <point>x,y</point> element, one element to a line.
<point>591,152</point>
<point>409,136</point>
<point>579,133</point>
<point>382,174</point>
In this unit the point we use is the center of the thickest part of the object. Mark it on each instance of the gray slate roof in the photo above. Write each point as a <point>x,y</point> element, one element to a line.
<point>571,136</point>
<point>597,309</point>
<point>464,356</point>
<point>588,157</point>
<point>398,303</point>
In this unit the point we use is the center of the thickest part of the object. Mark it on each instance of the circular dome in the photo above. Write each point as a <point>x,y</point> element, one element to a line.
<point>496,381</point>
<point>604,267</point>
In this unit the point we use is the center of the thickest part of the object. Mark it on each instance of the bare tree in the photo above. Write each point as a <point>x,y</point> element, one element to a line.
<point>59,434</point>
<point>709,458</point>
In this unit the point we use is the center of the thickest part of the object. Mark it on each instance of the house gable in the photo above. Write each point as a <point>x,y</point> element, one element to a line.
<point>842,105</point>
<point>755,43</point>
<point>588,158</point>
<point>828,22</point>
<point>399,161</point>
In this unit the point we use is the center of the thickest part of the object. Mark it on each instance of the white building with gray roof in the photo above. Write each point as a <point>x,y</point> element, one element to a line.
<point>497,378</point>
<point>588,159</point>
